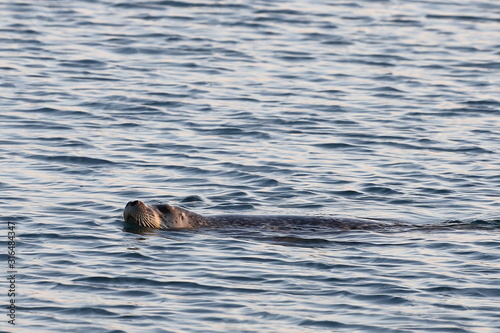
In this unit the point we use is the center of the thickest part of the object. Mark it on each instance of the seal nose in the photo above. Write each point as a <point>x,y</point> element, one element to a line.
<point>133,203</point>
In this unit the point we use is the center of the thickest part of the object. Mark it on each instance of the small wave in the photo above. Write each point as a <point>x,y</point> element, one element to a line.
<point>85,63</point>
<point>483,102</point>
<point>329,324</point>
<point>53,111</point>
<point>81,160</point>
<point>299,241</point>
<point>192,198</point>
<point>234,132</point>
<point>463,18</point>
<point>129,281</point>
<point>87,311</point>
<point>336,145</point>
<point>382,190</point>
<point>471,224</point>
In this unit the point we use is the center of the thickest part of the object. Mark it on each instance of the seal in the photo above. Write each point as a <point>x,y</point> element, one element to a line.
<point>165,216</point>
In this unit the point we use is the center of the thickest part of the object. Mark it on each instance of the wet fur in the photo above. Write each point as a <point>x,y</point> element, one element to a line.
<point>165,216</point>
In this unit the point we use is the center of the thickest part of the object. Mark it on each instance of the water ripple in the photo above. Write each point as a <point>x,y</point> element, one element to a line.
<point>376,109</point>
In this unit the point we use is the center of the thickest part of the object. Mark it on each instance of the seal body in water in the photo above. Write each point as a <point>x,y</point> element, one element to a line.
<point>165,216</point>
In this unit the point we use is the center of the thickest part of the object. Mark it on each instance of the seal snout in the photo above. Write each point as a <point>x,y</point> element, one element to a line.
<point>134,203</point>
<point>138,213</point>
<point>131,210</point>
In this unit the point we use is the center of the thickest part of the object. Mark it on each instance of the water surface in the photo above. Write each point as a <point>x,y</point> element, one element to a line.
<point>379,109</point>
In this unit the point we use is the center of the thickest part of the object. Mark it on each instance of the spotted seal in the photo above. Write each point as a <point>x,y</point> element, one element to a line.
<point>165,216</point>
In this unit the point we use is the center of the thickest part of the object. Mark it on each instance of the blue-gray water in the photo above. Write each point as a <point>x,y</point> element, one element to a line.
<point>380,109</point>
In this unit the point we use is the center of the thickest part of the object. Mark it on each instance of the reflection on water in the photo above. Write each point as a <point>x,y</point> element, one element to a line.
<point>383,110</point>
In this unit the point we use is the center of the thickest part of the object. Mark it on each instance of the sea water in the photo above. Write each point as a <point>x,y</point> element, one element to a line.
<point>373,109</point>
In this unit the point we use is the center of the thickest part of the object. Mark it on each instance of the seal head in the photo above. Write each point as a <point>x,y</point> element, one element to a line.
<point>162,216</point>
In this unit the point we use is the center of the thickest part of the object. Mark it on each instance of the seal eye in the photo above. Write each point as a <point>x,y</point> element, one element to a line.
<point>133,203</point>
<point>165,209</point>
